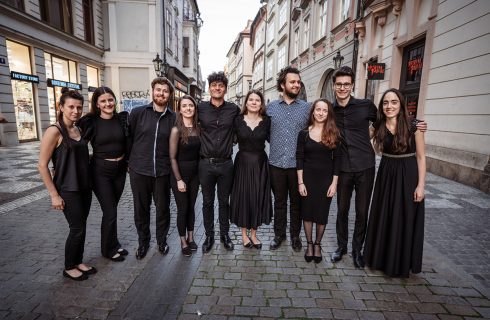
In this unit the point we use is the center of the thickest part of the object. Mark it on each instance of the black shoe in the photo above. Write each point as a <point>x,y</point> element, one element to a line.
<point>276,243</point>
<point>307,257</point>
<point>319,258</point>
<point>249,244</point>
<point>337,255</point>
<point>163,248</point>
<point>118,257</point>
<point>141,252</point>
<point>122,252</point>
<point>208,244</point>
<point>89,271</point>
<point>81,277</point>
<point>186,251</point>
<point>257,246</point>
<point>227,243</point>
<point>192,245</point>
<point>358,260</point>
<point>296,244</point>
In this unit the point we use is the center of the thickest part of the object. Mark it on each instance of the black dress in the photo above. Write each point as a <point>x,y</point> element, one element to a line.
<point>395,235</point>
<point>319,164</point>
<point>251,203</point>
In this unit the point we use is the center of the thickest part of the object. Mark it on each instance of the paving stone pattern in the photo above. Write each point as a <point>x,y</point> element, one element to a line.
<point>242,284</point>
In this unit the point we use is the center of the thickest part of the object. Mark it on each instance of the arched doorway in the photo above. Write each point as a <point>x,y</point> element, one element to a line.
<point>327,90</point>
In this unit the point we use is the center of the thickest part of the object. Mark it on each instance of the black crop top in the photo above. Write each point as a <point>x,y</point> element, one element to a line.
<point>109,141</point>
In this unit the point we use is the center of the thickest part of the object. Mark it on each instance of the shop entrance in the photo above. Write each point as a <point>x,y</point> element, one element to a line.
<point>411,75</point>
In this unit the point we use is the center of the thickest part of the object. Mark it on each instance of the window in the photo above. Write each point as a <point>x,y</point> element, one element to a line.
<point>176,30</point>
<point>57,13</point>
<point>239,68</point>
<point>18,4</point>
<point>281,57</point>
<point>88,21</point>
<point>322,25</point>
<point>283,14</point>
<point>268,74</point>
<point>168,31</point>
<point>270,32</point>
<point>343,12</point>
<point>185,52</point>
<point>249,85</point>
<point>306,34</point>
<point>296,43</point>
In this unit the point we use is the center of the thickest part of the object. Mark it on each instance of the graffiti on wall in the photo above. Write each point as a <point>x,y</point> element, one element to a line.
<point>134,98</point>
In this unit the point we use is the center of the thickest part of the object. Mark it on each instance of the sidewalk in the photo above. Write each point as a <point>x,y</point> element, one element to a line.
<point>243,284</point>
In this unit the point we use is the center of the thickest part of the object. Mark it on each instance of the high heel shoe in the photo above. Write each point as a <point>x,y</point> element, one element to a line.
<point>317,259</point>
<point>307,257</point>
<point>257,246</point>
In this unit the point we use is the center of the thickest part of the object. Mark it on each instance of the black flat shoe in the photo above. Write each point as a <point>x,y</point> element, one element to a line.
<point>307,257</point>
<point>163,248</point>
<point>186,251</point>
<point>118,257</point>
<point>81,277</point>
<point>317,259</point>
<point>249,244</point>
<point>276,243</point>
<point>227,243</point>
<point>296,244</point>
<point>208,244</point>
<point>257,246</point>
<point>122,252</point>
<point>141,252</point>
<point>88,272</point>
<point>337,255</point>
<point>192,245</point>
<point>358,260</point>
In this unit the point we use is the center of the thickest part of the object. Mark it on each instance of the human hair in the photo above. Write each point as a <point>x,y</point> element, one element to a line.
<point>95,97</point>
<point>330,132</point>
<point>343,71</point>
<point>401,138</point>
<point>281,78</point>
<point>218,77</point>
<point>262,103</point>
<point>179,121</point>
<point>66,93</point>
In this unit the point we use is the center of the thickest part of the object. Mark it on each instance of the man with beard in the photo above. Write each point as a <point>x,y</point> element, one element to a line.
<point>149,164</point>
<point>216,119</point>
<point>289,116</point>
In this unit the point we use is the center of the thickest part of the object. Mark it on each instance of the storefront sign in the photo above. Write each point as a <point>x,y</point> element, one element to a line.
<point>415,65</point>
<point>92,89</point>
<point>24,77</point>
<point>375,71</point>
<point>60,83</point>
<point>180,86</point>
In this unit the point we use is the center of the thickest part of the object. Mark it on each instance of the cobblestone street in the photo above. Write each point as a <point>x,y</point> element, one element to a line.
<point>242,284</point>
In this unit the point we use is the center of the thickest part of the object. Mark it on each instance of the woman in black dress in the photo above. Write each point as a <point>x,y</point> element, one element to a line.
<point>184,150</point>
<point>251,203</point>
<point>395,235</point>
<point>318,165</point>
<point>69,187</point>
<point>107,132</point>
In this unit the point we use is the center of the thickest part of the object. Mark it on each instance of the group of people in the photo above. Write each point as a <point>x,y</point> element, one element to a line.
<point>316,151</point>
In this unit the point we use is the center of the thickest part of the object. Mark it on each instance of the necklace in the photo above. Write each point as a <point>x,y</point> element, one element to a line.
<point>189,129</point>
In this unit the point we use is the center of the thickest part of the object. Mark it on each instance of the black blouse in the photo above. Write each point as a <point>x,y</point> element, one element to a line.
<point>252,140</point>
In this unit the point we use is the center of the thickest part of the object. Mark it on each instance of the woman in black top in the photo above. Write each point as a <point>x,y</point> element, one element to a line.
<point>107,131</point>
<point>184,150</point>
<point>318,165</point>
<point>69,188</point>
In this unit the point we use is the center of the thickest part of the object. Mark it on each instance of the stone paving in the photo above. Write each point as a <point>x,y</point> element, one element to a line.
<point>243,284</point>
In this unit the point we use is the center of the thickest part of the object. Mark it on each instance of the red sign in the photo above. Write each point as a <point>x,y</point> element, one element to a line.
<point>376,71</point>
<point>415,65</point>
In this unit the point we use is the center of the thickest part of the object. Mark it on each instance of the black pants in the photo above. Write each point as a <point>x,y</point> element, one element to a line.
<point>284,182</point>
<point>362,183</point>
<point>185,202</point>
<point>108,178</point>
<point>77,207</point>
<point>210,176</point>
<point>144,188</point>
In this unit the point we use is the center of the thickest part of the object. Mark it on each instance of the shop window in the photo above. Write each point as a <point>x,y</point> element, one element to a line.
<point>92,81</point>
<point>57,13</point>
<point>22,92</point>
<point>88,20</point>
<point>411,75</point>
<point>18,4</point>
<point>371,85</point>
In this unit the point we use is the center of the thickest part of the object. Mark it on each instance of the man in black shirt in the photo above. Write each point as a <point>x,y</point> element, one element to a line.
<point>149,164</point>
<point>216,167</point>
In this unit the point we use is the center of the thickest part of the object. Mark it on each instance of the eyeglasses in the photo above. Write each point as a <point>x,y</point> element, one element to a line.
<point>339,85</point>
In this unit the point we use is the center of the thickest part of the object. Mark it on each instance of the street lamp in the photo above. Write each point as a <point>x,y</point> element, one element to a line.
<point>337,60</point>
<point>161,66</point>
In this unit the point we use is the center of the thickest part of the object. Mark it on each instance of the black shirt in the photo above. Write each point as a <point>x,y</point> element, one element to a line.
<point>353,121</point>
<point>217,129</point>
<point>149,140</point>
<point>109,142</point>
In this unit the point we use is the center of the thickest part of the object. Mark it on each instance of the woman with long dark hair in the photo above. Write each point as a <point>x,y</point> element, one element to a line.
<point>184,150</point>
<point>107,132</point>
<point>251,203</point>
<point>69,187</point>
<point>395,235</point>
<point>318,166</point>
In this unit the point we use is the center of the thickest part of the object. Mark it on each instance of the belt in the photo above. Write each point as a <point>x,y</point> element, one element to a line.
<point>407,155</point>
<point>216,160</point>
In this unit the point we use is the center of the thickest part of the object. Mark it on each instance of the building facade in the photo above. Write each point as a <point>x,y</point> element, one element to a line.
<point>45,46</point>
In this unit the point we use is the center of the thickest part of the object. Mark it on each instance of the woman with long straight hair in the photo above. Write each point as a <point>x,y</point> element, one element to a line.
<point>69,187</point>
<point>318,166</point>
<point>395,234</point>
<point>107,131</point>
<point>251,203</point>
<point>184,151</point>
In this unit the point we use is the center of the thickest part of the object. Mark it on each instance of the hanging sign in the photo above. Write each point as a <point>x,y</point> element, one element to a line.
<point>92,89</point>
<point>24,77</point>
<point>2,60</point>
<point>376,71</point>
<point>60,83</point>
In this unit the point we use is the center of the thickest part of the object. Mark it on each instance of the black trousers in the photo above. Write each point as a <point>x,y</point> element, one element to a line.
<point>108,179</point>
<point>185,202</point>
<point>362,183</point>
<point>284,183</point>
<point>77,208</point>
<point>145,188</point>
<point>210,176</point>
